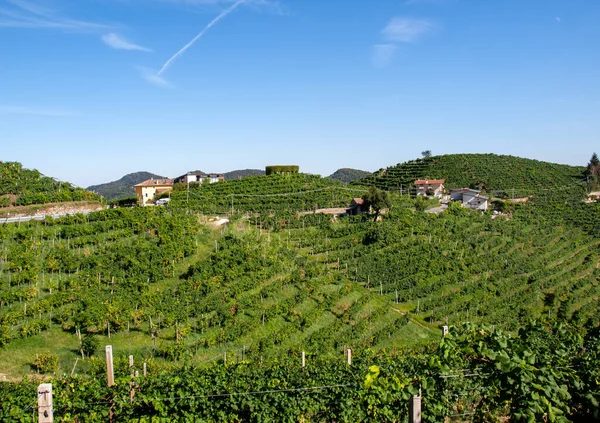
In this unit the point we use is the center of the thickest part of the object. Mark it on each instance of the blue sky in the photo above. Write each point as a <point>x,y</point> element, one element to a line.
<point>320,83</point>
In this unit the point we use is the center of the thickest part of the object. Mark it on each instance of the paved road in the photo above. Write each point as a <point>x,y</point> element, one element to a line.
<point>4,220</point>
<point>437,209</point>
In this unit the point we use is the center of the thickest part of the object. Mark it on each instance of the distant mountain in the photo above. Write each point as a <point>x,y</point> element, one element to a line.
<point>347,175</point>
<point>122,188</point>
<point>242,173</point>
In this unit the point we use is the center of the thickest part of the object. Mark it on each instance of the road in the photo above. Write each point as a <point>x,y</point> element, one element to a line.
<point>4,220</point>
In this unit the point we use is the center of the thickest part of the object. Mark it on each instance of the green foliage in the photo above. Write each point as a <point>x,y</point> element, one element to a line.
<point>281,170</point>
<point>482,171</point>
<point>347,175</point>
<point>541,373</point>
<point>242,173</point>
<point>377,200</point>
<point>262,194</point>
<point>46,363</point>
<point>89,344</point>
<point>31,187</point>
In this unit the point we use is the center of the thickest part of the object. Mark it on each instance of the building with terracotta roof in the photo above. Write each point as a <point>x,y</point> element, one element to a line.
<point>433,187</point>
<point>147,190</point>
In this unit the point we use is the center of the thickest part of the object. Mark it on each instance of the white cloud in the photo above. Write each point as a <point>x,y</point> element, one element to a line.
<point>406,30</point>
<point>27,14</point>
<point>117,42</point>
<point>382,54</point>
<point>152,77</point>
<point>20,110</point>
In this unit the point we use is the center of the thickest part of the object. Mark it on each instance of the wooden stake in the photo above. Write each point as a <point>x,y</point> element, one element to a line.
<point>349,356</point>
<point>74,365</point>
<point>414,413</point>
<point>145,369</point>
<point>110,373</point>
<point>303,359</point>
<point>45,412</point>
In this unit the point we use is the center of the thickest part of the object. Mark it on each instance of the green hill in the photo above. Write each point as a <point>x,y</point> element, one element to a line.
<point>298,192</point>
<point>158,284</point>
<point>123,188</point>
<point>347,175</point>
<point>242,173</point>
<point>24,187</point>
<point>486,171</point>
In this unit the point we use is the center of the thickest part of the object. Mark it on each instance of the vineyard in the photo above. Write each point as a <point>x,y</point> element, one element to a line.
<point>261,194</point>
<point>505,175</point>
<point>222,315</point>
<point>543,373</point>
<point>22,187</point>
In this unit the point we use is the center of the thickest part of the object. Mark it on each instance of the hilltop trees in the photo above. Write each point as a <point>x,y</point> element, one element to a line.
<point>592,170</point>
<point>426,154</point>
<point>377,199</point>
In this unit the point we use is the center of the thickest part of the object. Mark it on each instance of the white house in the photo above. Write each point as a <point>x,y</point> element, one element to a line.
<point>436,186</point>
<point>470,198</point>
<point>199,177</point>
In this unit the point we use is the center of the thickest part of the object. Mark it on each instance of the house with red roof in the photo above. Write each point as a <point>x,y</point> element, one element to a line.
<point>433,187</point>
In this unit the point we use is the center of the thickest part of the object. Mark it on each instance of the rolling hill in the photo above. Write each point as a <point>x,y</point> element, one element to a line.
<point>24,187</point>
<point>252,296</point>
<point>486,171</point>
<point>347,175</point>
<point>122,188</point>
<point>242,173</point>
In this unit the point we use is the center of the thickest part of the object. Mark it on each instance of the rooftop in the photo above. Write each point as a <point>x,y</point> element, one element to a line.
<point>429,181</point>
<point>156,182</point>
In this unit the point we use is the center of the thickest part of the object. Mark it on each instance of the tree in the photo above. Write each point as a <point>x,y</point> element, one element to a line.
<point>426,154</point>
<point>377,199</point>
<point>593,171</point>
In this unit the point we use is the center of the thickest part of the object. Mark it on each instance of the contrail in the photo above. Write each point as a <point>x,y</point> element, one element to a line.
<point>188,45</point>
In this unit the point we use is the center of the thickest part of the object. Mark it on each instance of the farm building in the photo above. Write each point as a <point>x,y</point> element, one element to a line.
<point>470,198</point>
<point>434,187</point>
<point>147,190</point>
<point>199,177</point>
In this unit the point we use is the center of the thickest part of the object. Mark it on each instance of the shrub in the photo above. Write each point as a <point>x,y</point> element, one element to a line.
<point>46,363</point>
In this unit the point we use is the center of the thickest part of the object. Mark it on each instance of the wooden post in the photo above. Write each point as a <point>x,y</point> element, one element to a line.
<point>144,368</point>
<point>130,361</point>
<point>349,356</point>
<point>110,373</point>
<point>303,359</point>
<point>414,410</point>
<point>45,412</point>
<point>444,330</point>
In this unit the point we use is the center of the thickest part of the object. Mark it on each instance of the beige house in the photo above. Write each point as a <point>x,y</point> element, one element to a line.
<point>435,186</point>
<point>147,190</point>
